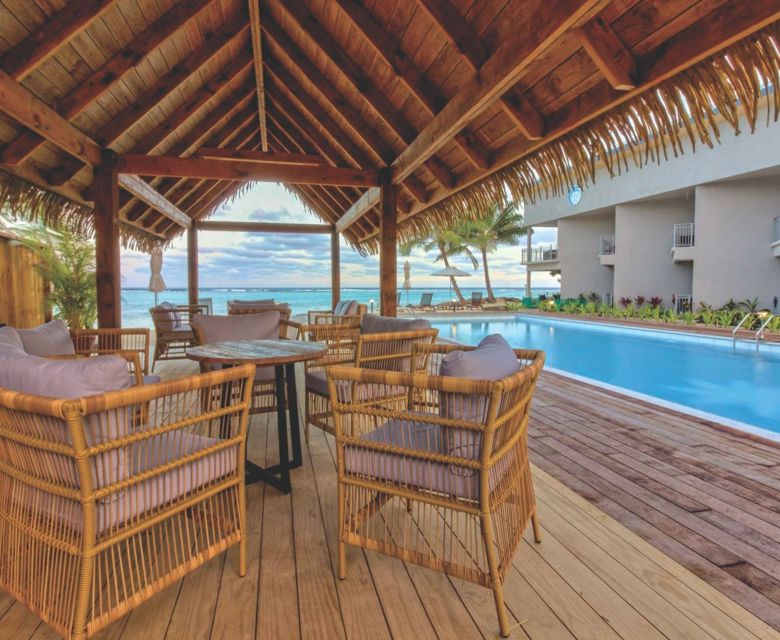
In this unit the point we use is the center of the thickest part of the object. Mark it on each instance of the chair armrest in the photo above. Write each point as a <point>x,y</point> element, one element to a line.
<point>314,314</point>
<point>289,329</point>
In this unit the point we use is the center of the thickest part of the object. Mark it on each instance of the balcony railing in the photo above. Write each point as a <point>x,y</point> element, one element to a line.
<point>684,235</point>
<point>607,246</point>
<point>544,253</point>
<point>683,303</point>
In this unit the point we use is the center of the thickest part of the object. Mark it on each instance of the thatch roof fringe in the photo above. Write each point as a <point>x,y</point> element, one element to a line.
<point>728,85</point>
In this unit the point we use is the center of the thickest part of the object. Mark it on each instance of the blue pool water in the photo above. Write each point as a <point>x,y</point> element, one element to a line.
<point>700,373</point>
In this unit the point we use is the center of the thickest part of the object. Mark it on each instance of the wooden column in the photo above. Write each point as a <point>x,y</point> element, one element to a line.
<point>105,189</point>
<point>192,264</point>
<point>335,269</point>
<point>388,246</point>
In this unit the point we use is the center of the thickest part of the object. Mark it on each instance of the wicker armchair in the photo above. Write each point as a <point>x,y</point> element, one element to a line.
<point>264,387</point>
<point>453,451</point>
<point>239,307</point>
<point>90,342</point>
<point>347,346</point>
<point>172,330</point>
<point>98,513</point>
<point>340,314</point>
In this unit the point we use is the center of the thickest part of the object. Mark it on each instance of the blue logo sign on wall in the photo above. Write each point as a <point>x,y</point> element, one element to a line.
<point>575,195</point>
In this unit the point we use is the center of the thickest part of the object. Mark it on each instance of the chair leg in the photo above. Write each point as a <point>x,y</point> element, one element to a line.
<point>495,576</point>
<point>342,544</point>
<point>536,528</point>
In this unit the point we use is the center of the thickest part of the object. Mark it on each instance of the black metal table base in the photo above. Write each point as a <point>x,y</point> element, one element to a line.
<point>278,475</point>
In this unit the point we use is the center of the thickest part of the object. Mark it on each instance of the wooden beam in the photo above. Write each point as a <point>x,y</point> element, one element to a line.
<point>146,193</point>
<point>53,33</point>
<point>608,53</point>
<point>708,36</point>
<point>26,108</point>
<point>388,247</point>
<point>107,260</point>
<point>257,58</point>
<point>250,155</point>
<point>192,265</point>
<point>88,90</point>
<point>524,115</point>
<point>180,73</point>
<point>363,205</point>
<point>496,76</point>
<point>263,227</point>
<point>241,170</point>
<point>335,269</point>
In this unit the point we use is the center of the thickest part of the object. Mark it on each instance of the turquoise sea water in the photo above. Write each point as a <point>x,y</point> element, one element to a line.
<point>136,302</point>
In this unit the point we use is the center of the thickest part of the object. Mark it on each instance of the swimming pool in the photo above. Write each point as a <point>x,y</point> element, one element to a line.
<point>701,373</point>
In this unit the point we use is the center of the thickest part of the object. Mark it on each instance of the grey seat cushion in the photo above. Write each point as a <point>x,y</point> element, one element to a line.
<point>49,339</point>
<point>371,323</point>
<point>151,379</point>
<point>317,381</point>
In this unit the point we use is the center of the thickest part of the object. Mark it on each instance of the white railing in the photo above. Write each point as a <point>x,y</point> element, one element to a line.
<point>544,253</point>
<point>606,298</point>
<point>607,246</point>
<point>683,303</point>
<point>684,235</point>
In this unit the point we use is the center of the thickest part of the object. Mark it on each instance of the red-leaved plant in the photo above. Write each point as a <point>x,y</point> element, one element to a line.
<point>640,300</point>
<point>624,302</point>
<point>655,301</point>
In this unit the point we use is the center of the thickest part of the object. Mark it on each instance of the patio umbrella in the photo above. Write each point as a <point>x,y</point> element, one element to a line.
<point>156,282</point>
<point>407,279</point>
<point>451,272</point>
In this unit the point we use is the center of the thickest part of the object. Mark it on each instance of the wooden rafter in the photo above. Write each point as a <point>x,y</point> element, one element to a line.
<point>608,53</point>
<point>106,76</point>
<point>51,35</point>
<point>257,58</point>
<point>154,199</point>
<point>496,76</point>
<point>171,81</point>
<point>242,170</point>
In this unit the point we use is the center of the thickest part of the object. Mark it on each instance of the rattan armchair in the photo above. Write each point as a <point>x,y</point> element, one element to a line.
<point>90,342</point>
<point>98,513</point>
<point>239,307</point>
<point>173,331</point>
<point>347,346</point>
<point>337,316</point>
<point>453,451</point>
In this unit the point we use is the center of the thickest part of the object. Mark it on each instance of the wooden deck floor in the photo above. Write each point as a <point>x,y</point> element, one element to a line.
<point>590,578</point>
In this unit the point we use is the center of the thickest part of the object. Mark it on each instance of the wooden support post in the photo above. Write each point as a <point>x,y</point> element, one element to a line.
<point>192,264</point>
<point>527,269</point>
<point>335,269</point>
<point>105,190</point>
<point>388,246</point>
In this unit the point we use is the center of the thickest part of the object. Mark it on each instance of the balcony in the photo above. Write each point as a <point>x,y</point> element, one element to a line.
<point>683,241</point>
<point>607,251</point>
<point>543,257</point>
<point>776,242</point>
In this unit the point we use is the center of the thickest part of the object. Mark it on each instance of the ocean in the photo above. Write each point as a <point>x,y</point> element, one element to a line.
<point>137,302</point>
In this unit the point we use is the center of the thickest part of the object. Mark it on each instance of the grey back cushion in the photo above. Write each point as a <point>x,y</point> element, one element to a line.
<point>493,359</point>
<point>9,337</point>
<point>250,303</point>
<point>49,339</point>
<point>346,308</point>
<point>371,323</point>
<point>251,326</point>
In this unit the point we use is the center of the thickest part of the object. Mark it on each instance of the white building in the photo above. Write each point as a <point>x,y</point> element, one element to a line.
<point>703,224</point>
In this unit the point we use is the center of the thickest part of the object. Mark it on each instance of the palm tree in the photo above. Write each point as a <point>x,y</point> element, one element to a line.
<point>499,226</point>
<point>448,243</point>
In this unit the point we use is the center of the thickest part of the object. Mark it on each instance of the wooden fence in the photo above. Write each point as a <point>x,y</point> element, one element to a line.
<point>22,290</point>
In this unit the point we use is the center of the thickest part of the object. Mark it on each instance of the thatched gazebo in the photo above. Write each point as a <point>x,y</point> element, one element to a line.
<point>135,119</point>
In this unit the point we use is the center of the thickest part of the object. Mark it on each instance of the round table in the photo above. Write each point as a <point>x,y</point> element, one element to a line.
<point>282,355</point>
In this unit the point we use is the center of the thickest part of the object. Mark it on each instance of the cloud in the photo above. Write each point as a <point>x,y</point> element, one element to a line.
<point>230,259</point>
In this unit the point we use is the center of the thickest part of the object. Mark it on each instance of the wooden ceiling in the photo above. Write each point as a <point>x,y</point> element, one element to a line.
<point>439,93</point>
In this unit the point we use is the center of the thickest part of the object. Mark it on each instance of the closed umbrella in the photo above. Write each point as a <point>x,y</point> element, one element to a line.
<point>451,272</point>
<point>156,282</point>
<point>407,279</point>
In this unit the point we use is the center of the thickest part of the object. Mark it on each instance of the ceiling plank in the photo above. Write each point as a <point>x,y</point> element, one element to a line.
<point>154,199</point>
<point>257,58</point>
<point>240,170</point>
<point>260,156</point>
<point>53,33</point>
<point>496,76</point>
<point>87,91</point>
<point>27,109</point>
<point>180,73</point>
<point>608,53</point>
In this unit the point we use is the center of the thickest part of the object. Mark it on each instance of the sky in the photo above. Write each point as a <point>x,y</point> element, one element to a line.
<point>231,259</point>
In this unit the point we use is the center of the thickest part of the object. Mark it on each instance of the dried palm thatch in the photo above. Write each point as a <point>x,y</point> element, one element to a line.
<point>30,202</point>
<point>687,109</point>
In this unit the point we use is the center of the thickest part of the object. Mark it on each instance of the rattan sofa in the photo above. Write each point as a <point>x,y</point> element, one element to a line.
<point>102,505</point>
<point>446,464</point>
